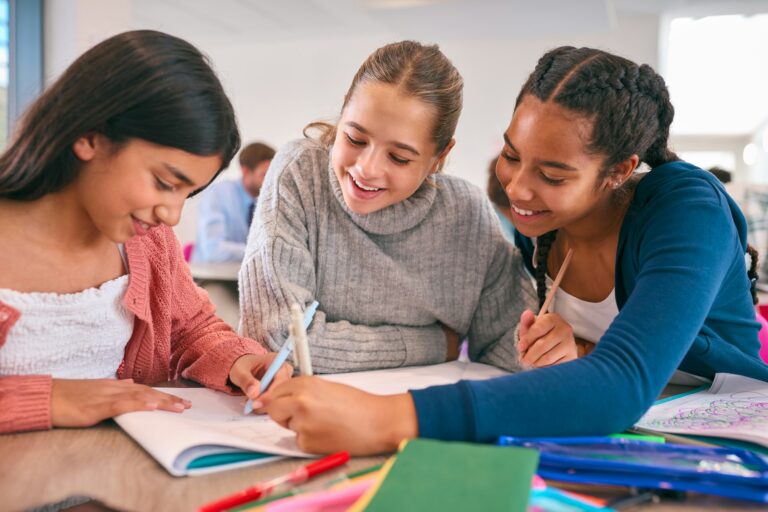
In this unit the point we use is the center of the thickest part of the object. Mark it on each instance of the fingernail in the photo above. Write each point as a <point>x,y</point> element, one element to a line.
<point>253,390</point>
<point>179,407</point>
<point>186,402</point>
<point>257,404</point>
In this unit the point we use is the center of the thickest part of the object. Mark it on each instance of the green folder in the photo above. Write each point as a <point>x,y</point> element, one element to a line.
<point>442,476</point>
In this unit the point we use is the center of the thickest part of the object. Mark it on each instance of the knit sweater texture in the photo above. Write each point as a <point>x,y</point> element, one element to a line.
<point>385,281</point>
<point>176,334</point>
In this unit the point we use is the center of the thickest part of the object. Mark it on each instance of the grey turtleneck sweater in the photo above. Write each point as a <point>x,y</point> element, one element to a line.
<point>385,281</point>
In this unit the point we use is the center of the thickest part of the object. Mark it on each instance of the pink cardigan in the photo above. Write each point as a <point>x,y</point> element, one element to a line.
<point>176,334</point>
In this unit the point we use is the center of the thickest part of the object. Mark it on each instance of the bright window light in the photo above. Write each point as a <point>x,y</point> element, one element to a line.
<point>750,154</point>
<point>717,72</point>
<point>708,159</point>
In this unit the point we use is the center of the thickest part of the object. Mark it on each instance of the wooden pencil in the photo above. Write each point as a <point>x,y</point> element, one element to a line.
<point>555,284</point>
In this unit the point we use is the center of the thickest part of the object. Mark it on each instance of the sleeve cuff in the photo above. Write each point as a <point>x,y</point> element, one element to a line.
<point>446,412</point>
<point>425,345</point>
<point>26,403</point>
<point>216,372</point>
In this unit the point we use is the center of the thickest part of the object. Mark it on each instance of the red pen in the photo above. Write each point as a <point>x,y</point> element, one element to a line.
<point>263,489</point>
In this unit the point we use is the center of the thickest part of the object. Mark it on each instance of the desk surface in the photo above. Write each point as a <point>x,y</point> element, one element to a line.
<point>102,462</point>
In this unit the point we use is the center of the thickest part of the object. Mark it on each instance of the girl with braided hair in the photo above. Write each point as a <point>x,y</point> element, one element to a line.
<point>666,249</point>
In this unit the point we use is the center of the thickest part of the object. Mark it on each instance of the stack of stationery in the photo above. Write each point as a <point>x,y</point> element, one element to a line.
<point>428,475</point>
<point>433,475</point>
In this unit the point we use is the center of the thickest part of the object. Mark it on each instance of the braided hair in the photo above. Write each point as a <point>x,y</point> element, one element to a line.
<point>630,111</point>
<point>543,244</point>
<point>752,273</point>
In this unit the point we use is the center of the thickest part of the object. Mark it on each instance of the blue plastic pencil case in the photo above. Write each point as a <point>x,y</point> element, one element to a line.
<point>729,472</point>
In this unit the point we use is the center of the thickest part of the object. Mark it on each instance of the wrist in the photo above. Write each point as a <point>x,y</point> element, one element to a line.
<point>583,347</point>
<point>400,415</point>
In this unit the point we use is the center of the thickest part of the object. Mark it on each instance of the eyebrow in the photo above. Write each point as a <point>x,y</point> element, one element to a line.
<point>179,175</point>
<point>545,163</point>
<point>400,145</point>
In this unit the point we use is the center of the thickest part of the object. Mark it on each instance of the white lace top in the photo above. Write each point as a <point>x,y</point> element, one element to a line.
<point>73,335</point>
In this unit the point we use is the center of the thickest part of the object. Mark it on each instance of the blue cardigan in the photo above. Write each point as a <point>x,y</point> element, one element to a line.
<point>684,302</point>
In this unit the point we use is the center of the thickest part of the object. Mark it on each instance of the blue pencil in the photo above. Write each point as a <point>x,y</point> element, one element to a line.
<point>282,355</point>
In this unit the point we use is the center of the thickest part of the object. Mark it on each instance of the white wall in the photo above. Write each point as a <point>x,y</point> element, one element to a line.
<point>759,170</point>
<point>277,88</point>
<point>70,27</point>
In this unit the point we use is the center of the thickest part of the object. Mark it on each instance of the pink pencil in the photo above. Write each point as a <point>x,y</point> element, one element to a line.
<point>334,500</point>
<point>555,284</point>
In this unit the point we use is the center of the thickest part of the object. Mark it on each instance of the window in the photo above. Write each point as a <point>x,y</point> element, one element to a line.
<point>22,64</point>
<point>717,73</point>
<point>4,69</point>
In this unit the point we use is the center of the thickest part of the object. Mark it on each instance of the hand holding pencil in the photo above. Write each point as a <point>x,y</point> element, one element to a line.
<point>546,339</point>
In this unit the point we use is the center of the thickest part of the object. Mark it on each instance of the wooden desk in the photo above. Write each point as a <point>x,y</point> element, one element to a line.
<point>103,462</point>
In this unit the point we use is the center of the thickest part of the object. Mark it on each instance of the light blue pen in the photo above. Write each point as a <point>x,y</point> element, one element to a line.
<point>282,355</point>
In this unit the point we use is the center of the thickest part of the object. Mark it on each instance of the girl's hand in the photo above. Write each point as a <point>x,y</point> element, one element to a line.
<point>328,417</point>
<point>545,342</point>
<point>83,403</point>
<point>246,368</point>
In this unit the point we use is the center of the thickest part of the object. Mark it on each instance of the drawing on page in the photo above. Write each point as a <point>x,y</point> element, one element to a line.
<point>746,411</point>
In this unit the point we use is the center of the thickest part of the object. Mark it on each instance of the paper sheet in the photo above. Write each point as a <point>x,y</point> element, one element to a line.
<point>215,421</point>
<point>733,407</point>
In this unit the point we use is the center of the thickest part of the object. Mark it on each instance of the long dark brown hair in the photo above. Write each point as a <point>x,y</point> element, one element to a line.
<point>136,85</point>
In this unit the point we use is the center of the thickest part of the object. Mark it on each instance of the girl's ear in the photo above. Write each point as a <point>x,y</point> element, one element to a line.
<point>442,156</point>
<point>85,146</point>
<point>622,171</point>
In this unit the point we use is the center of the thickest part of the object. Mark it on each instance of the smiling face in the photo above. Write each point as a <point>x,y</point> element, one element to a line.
<point>552,181</point>
<point>128,190</point>
<point>383,149</point>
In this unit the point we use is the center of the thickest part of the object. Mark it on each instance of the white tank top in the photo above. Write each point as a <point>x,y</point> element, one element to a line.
<point>590,320</point>
<point>69,336</point>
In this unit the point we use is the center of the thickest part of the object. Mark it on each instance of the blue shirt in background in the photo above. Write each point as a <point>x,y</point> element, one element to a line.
<point>507,228</point>
<point>684,302</point>
<point>222,225</point>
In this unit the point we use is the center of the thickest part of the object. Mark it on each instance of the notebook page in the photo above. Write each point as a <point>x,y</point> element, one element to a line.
<point>734,407</point>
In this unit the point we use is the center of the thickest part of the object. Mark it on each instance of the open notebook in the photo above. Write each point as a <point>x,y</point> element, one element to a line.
<point>734,407</point>
<point>214,434</point>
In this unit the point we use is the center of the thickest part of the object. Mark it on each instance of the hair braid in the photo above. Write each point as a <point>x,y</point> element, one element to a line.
<point>752,272</point>
<point>652,84</point>
<point>543,245</point>
<point>628,104</point>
